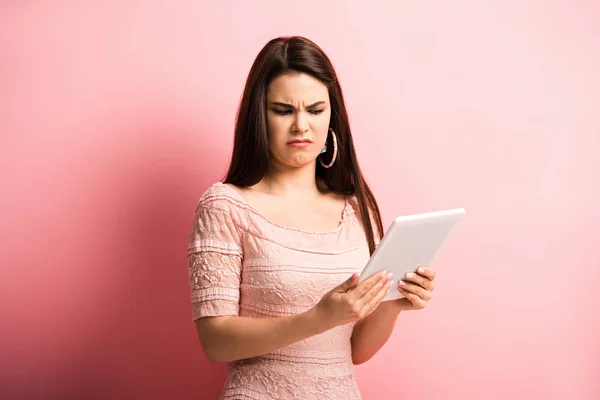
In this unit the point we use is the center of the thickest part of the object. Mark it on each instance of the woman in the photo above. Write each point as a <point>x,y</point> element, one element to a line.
<point>270,246</point>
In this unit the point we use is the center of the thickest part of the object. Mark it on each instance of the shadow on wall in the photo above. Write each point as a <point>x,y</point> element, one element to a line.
<point>138,339</point>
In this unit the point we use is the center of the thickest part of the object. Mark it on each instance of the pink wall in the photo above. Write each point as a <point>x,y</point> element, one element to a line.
<point>114,118</point>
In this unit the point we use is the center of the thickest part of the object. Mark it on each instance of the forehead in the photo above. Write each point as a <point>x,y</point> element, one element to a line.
<point>297,87</point>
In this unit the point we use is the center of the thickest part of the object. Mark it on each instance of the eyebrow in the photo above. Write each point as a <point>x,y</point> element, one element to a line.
<point>285,105</point>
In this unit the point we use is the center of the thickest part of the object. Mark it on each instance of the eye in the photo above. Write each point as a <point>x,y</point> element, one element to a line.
<point>283,112</point>
<point>316,112</point>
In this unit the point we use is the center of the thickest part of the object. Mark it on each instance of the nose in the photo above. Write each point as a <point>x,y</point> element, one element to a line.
<point>301,124</point>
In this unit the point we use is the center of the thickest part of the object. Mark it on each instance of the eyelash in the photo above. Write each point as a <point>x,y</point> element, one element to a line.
<point>287,112</point>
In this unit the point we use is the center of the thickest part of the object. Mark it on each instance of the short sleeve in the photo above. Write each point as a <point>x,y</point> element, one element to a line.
<point>214,263</point>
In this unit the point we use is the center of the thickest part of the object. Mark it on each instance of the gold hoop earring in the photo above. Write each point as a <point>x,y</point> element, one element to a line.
<point>334,151</point>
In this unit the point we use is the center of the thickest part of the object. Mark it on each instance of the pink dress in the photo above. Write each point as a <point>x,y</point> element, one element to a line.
<point>242,264</point>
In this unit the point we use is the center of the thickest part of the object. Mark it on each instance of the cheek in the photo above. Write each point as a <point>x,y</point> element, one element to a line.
<point>273,128</point>
<point>323,134</point>
<point>322,126</point>
<point>270,126</point>
<point>276,135</point>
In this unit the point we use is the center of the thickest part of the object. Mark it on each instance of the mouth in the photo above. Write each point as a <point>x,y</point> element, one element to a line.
<point>300,141</point>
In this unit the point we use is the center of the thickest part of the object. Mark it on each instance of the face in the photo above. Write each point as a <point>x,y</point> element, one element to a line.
<point>298,113</point>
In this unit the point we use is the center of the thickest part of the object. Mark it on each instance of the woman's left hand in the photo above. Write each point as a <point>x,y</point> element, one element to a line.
<point>416,288</point>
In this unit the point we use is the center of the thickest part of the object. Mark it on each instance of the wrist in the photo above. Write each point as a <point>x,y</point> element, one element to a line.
<point>315,319</point>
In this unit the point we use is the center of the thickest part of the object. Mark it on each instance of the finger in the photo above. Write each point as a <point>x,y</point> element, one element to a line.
<point>372,293</point>
<point>372,304</point>
<point>427,272</point>
<point>415,289</point>
<point>383,284</point>
<point>347,284</point>
<point>381,294</point>
<point>422,281</point>
<point>360,290</point>
<point>415,300</point>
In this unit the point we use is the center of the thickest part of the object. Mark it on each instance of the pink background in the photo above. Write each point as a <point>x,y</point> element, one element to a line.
<point>116,116</point>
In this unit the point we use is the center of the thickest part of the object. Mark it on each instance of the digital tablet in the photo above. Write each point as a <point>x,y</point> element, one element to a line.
<point>411,241</point>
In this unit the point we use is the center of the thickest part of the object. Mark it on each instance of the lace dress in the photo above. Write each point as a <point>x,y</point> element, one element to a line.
<point>242,264</point>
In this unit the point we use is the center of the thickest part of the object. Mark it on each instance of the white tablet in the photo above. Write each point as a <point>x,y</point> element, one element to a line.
<point>411,241</point>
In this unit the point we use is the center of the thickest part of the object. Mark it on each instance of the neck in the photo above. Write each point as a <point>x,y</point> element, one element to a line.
<point>284,181</point>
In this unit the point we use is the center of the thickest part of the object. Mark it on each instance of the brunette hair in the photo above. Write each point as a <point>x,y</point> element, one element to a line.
<point>251,159</point>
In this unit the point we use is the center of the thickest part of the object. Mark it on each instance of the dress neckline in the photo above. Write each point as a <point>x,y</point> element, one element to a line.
<point>238,196</point>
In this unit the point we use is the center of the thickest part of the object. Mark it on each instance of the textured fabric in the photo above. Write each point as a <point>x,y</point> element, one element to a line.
<point>242,264</point>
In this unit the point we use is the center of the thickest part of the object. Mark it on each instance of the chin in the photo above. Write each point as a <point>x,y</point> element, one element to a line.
<point>297,161</point>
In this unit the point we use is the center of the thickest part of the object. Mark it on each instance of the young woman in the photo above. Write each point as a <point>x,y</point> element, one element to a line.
<point>275,249</point>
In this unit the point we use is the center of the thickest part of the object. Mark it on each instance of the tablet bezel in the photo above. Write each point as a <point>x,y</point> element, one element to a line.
<point>446,220</point>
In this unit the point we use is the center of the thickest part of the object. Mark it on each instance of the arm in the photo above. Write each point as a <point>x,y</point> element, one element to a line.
<point>228,338</point>
<point>231,338</point>
<point>372,332</point>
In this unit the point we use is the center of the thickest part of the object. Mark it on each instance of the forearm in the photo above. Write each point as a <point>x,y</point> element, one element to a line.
<point>236,338</point>
<point>371,333</point>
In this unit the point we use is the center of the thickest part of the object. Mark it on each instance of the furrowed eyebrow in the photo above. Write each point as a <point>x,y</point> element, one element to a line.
<point>285,105</point>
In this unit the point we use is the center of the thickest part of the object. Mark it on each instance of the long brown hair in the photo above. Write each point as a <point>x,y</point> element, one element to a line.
<point>251,160</point>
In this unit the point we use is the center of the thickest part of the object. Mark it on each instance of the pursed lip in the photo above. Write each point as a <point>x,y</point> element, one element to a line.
<point>299,141</point>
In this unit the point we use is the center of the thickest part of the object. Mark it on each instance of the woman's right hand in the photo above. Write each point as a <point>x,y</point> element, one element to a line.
<point>350,302</point>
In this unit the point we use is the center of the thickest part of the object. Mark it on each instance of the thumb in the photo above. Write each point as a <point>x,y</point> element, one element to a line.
<point>348,284</point>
